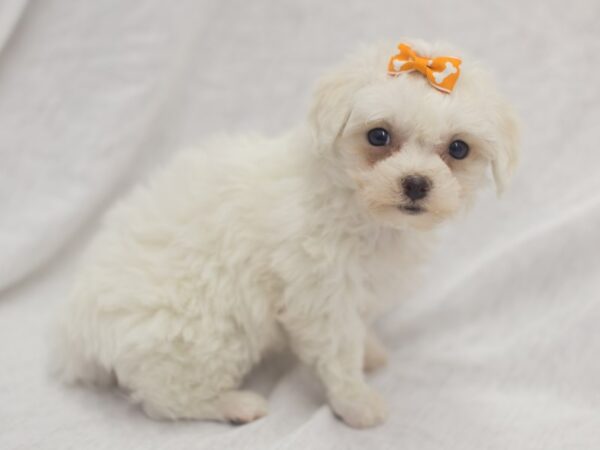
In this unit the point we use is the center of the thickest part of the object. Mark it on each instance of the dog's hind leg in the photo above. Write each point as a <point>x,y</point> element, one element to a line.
<point>235,406</point>
<point>240,407</point>
<point>181,382</point>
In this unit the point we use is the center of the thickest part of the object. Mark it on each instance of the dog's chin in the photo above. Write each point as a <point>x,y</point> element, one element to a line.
<point>408,217</point>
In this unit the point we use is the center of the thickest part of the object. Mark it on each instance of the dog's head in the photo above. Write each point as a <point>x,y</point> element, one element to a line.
<point>415,155</point>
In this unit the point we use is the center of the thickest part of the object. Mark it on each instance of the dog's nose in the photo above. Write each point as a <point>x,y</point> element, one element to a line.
<point>415,187</point>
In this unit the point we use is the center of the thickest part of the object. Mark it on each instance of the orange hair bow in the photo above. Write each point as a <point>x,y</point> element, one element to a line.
<point>441,72</point>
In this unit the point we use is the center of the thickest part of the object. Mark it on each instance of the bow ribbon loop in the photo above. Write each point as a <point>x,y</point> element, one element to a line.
<point>442,72</point>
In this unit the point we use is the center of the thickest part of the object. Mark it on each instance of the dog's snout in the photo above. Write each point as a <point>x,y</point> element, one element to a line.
<point>415,187</point>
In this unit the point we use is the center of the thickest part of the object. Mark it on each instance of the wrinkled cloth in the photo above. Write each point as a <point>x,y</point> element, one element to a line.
<point>500,347</point>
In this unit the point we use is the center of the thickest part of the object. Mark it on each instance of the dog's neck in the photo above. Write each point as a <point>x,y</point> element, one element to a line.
<point>334,228</point>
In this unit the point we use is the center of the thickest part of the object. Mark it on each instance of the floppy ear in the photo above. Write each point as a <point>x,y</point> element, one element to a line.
<point>333,99</point>
<point>506,155</point>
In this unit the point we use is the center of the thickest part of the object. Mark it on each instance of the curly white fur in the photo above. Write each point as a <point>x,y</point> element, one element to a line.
<point>245,246</point>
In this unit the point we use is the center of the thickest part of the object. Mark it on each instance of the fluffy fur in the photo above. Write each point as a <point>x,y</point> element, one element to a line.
<point>246,246</point>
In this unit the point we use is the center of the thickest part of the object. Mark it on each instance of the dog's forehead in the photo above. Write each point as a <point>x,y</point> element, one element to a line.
<point>409,101</point>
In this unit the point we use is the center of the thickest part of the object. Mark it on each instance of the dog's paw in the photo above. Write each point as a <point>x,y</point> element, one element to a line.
<point>360,408</point>
<point>240,407</point>
<point>375,355</point>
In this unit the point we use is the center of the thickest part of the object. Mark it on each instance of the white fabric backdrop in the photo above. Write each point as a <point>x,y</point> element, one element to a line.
<point>502,352</point>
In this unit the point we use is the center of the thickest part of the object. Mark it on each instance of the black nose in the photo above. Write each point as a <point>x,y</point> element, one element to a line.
<point>415,187</point>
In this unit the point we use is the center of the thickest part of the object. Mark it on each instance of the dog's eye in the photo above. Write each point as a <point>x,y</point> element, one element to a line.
<point>458,149</point>
<point>378,137</point>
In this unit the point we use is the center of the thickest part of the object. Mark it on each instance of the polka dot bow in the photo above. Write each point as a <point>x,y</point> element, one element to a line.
<point>442,72</point>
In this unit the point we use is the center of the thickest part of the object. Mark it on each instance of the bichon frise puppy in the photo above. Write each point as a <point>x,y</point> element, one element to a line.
<point>245,246</point>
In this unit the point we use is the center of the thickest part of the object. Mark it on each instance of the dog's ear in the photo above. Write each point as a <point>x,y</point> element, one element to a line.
<point>333,99</point>
<point>506,154</point>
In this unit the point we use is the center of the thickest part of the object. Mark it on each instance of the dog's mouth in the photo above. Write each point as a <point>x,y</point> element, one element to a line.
<point>411,209</point>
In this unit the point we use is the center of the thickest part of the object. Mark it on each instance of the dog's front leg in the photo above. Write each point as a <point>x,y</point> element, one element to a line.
<point>375,354</point>
<point>331,340</point>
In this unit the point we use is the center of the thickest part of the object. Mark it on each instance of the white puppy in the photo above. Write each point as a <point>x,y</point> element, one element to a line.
<point>244,246</point>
